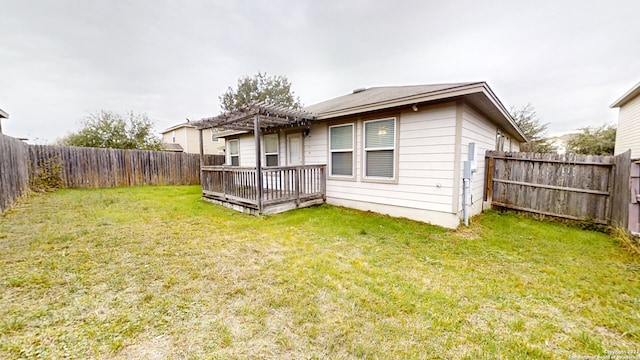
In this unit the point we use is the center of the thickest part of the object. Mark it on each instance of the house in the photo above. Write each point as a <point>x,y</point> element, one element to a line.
<point>186,138</point>
<point>628,133</point>
<point>561,142</point>
<point>404,151</point>
<point>3,115</point>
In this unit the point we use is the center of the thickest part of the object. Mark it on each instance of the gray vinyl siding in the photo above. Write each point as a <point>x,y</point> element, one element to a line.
<point>425,162</point>
<point>628,133</point>
<point>477,129</point>
<point>426,146</point>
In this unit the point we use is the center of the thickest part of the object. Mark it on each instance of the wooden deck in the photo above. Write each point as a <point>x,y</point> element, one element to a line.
<point>283,188</point>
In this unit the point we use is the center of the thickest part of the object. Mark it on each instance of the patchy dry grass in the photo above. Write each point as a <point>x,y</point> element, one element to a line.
<point>154,272</point>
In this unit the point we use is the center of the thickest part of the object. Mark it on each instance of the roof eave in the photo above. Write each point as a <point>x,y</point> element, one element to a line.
<point>3,114</point>
<point>628,96</point>
<point>504,112</point>
<point>175,127</point>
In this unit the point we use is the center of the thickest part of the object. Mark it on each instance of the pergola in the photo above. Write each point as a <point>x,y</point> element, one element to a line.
<point>257,118</point>
<point>259,115</point>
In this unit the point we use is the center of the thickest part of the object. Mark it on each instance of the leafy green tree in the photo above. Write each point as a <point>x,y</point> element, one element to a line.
<point>106,129</point>
<point>270,89</point>
<point>536,132</point>
<point>593,140</point>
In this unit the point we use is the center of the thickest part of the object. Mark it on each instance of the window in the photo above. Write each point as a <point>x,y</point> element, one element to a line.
<point>234,153</point>
<point>271,149</point>
<point>379,148</point>
<point>214,135</point>
<point>341,149</point>
<point>173,136</point>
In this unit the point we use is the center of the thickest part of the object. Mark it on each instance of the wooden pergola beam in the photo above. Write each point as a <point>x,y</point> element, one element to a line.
<point>244,118</point>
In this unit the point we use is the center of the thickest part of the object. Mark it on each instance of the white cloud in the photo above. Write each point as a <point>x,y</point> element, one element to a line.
<point>60,60</point>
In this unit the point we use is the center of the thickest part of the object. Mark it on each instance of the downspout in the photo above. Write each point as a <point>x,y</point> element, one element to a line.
<point>470,166</point>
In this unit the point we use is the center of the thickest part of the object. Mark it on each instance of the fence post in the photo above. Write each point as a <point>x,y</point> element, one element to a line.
<point>621,193</point>
<point>488,182</point>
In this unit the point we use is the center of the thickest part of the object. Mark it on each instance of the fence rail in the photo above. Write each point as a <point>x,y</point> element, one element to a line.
<point>578,187</point>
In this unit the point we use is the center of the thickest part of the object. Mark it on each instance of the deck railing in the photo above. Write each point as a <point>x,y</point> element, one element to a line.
<point>238,185</point>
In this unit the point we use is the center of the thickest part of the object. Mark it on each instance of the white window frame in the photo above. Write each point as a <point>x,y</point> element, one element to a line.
<point>214,135</point>
<point>232,155</point>
<point>351,150</point>
<point>264,149</point>
<point>393,148</point>
<point>173,136</point>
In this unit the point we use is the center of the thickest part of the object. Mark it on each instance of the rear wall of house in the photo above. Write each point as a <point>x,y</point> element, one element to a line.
<point>425,171</point>
<point>428,184</point>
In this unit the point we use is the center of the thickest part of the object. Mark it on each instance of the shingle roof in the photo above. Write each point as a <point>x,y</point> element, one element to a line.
<point>375,95</point>
<point>393,97</point>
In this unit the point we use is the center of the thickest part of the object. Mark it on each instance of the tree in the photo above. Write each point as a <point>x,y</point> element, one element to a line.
<point>270,89</point>
<point>107,129</point>
<point>594,140</point>
<point>528,121</point>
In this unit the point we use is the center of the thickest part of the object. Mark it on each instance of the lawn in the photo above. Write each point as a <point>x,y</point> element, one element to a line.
<point>155,272</point>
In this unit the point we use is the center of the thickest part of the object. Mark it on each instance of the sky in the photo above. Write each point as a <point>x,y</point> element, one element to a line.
<point>63,60</point>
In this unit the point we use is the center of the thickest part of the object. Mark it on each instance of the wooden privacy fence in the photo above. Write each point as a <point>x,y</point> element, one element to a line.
<point>96,168</point>
<point>45,166</point>
<point>14,172</point>
<point>578,187</point>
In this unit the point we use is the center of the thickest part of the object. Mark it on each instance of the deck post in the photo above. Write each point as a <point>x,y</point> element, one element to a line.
<point>259,190</point>
<point>224,182</point>
<point>298,186</point>
<point>201,157</point>
<point>323,183</point>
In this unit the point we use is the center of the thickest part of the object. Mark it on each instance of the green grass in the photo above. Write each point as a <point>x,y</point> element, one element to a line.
<point>155,272</point>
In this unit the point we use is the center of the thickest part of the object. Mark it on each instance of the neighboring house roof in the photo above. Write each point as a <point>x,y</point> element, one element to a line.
<point>173,147</point>
<point>3,114</point>
<point>628,96</point>
<point>176,127</point>
<point>379,98</point>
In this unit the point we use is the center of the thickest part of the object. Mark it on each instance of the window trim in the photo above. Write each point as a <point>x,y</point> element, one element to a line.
<point>330,175</point>
<point>264,149</point>
<point>394,148</point>
<point>230,154</point>
<point>214,135</point>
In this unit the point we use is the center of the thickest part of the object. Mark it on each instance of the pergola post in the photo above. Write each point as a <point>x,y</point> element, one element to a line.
<point>260,190</point>
<point>201,148</point>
